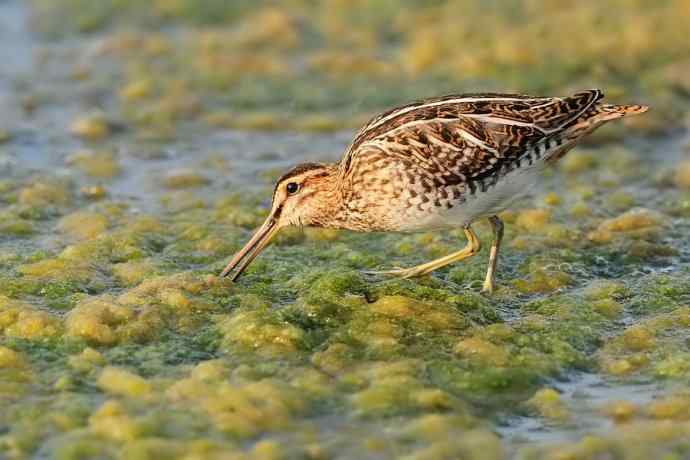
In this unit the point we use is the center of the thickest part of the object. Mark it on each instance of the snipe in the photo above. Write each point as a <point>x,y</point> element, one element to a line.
<point>435,164</point>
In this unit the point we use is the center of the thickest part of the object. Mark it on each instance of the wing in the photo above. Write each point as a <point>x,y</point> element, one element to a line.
<point>465,138</point>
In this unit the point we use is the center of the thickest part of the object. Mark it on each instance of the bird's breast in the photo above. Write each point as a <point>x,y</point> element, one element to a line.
<point>422,206</point>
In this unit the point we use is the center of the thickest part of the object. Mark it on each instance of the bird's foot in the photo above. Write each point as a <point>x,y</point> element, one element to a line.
<point>488,287</point>
<point>403,273</point>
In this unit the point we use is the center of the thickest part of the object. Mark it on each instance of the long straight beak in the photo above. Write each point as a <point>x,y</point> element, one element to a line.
<point>244,256</point>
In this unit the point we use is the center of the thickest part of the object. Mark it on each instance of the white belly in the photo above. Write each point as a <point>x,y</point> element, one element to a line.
<point>510,188</point>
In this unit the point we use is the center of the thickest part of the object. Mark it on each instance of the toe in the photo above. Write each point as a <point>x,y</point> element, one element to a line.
<point>398,273</point>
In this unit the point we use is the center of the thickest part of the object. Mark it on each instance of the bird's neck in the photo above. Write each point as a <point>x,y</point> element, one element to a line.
<point>333,208</point>
<point>328,205</point>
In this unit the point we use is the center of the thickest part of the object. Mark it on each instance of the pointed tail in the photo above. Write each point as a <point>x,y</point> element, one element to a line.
<point>606,112</point>
<point>593,118</point>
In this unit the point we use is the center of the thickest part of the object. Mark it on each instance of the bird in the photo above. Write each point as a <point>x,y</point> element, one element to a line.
<point>435,164</point>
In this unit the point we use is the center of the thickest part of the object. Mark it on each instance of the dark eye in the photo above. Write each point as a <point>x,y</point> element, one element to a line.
<point>292,188</point>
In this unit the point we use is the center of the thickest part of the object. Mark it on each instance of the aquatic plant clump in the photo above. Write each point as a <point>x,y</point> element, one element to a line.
<point>326,66</point>
<point>136,156</point>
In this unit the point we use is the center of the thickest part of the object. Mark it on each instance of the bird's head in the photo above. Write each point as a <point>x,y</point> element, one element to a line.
<point>302,196</point>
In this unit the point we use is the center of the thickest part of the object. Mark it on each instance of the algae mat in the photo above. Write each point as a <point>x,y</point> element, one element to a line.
<point>137,149</point>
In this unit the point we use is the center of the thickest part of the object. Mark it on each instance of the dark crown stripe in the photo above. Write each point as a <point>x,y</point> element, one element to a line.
<point>299,170</point>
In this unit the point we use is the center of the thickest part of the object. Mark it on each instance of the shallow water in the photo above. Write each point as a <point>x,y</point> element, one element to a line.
<point>118,341</point>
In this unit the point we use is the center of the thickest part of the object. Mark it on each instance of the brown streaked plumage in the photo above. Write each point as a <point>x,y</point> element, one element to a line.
<point>433,164</point>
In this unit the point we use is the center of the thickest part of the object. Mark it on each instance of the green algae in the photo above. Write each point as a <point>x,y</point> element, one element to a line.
<point>425,350</point>
<point>118,340</point>
<point>92,127</point>
<point>99,164</point>
<point>184,179</point>
<point>320,58</point>
<point>13,225</point>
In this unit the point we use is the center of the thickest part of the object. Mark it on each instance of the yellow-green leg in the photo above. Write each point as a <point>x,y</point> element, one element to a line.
<point>497,227</point>
<point>473,247</point>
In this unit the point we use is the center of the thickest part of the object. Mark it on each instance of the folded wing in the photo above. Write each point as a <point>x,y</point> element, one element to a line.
<point>460,138</point>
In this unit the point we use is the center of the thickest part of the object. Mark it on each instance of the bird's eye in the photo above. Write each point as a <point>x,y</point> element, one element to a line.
<point>292,188</point>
